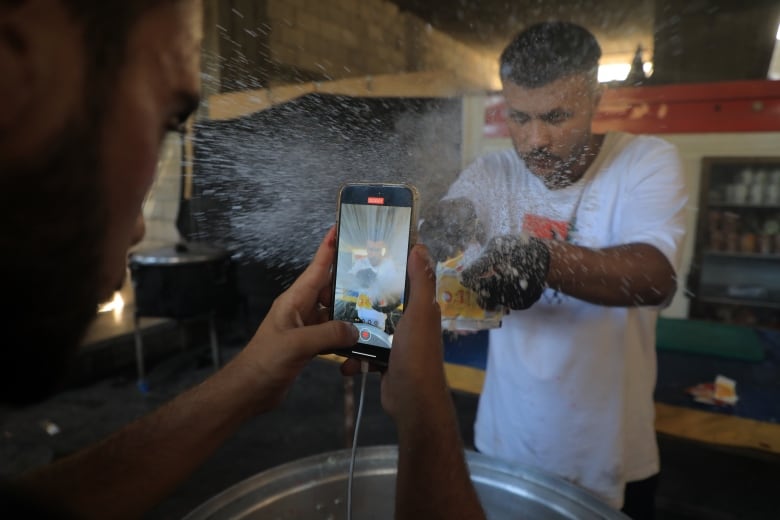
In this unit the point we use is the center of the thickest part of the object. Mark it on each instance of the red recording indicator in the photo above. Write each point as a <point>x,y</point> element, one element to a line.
<point>376,200</point>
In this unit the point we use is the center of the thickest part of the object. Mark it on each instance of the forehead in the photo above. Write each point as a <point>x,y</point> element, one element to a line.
<point>568,93</point>
<point>166,43</point>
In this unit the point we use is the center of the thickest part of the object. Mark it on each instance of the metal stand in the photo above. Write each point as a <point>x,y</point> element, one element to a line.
<point>216,358</point>
<point>139,355</point>
<point>142,384</point>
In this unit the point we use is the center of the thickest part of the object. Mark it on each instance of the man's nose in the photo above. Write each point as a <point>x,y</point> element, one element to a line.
<point>538,135</point>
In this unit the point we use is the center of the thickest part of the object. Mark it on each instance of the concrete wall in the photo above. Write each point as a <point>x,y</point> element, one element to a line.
<point>251,43</point>
<point>345,38</point>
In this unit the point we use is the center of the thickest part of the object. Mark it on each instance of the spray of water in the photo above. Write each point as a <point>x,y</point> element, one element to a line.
<point>265,185</point>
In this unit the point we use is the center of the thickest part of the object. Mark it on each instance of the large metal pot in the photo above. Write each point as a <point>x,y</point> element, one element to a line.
<point>316,488</point>
<point>182,280</point>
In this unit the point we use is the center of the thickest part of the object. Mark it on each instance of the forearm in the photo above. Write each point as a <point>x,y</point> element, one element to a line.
<point>132,470</point>
<point>433,479</point>
<point>627,275</point>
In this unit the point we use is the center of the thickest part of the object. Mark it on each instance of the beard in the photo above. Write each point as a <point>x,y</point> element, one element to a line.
<point>54,223</point>
<point>563,171</point>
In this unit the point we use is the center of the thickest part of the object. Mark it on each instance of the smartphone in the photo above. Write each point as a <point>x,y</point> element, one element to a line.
<point>376,227</point>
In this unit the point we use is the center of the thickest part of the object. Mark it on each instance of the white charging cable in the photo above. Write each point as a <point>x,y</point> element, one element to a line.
<point>363,377</point>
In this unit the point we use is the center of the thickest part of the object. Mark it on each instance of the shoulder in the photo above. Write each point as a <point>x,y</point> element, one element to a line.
<point>499,158</point>
<point>639,165</point>
<point>628,155</point>
<point>360,263</point>
<point>638,146</point>
<point>494,164</point>
<point>388,266</point>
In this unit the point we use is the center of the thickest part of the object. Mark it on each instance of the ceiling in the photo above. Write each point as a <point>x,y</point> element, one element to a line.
<point>691,40</point>
<point>489,24</point>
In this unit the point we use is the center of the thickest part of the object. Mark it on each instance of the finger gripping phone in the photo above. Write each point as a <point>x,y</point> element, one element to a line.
<point>376,227</point>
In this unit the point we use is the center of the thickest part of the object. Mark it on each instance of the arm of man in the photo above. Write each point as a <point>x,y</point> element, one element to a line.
<point>433,479</point>
<point>514,271</point>
<point>647,228</point>
<point>132,470</point>
<point>631,274</point>
<point>650,229</point>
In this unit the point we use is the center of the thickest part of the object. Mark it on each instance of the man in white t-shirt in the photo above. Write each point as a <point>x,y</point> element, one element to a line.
<point>378,274</point>
<point>382,282</point>
<point>583,236</point>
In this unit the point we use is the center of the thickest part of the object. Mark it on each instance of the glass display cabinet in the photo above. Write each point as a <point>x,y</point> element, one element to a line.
<point>735,273</point>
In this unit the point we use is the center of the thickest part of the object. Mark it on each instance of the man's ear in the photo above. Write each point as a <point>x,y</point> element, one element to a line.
<point>598,92</point>
<point>16,68</point>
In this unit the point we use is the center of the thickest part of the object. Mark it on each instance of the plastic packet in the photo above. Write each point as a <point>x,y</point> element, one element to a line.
<point>459,307</point>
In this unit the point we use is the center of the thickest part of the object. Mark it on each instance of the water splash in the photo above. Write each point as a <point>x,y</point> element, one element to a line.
<point>266,184</point>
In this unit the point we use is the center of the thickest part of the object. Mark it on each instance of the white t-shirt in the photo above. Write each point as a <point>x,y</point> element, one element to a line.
<point>569,384</point>
<point>389,283</point>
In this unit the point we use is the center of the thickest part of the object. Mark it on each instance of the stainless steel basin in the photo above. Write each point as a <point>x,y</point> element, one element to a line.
<point>316,488</point>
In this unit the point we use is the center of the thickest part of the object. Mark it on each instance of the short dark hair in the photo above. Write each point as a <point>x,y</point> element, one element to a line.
<point>548,51</point>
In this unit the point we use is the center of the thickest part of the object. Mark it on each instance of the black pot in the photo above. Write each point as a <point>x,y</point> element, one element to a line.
<point>182,280</point>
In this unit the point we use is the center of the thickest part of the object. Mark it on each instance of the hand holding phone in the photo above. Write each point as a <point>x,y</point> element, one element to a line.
<point>294,330</point>
<point>376,226</point>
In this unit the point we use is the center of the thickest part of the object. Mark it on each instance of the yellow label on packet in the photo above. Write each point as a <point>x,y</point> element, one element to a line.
<point>363,301</point>
<point>456,300</point>
<point>459,307</point>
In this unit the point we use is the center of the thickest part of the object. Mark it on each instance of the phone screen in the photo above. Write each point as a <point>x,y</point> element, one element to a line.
<point>374,236</point>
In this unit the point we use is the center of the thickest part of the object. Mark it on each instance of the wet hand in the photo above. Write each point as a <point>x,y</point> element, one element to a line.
<point>366,277</point>
<point>512,272</point>
<point>449,227</point>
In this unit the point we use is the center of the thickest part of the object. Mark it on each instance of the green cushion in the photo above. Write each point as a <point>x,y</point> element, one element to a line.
<point>709,338</point>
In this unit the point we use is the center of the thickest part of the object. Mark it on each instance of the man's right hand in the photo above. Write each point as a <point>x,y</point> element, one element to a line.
<point>449,227</point>
<point>512,271</point>
<point>415,379</point>
<point>433,479</point>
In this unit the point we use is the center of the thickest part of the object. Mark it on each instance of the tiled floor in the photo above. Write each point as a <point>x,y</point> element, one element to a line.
<point>699,481</point>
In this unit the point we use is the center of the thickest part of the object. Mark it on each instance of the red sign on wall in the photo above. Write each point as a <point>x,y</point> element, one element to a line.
<point>734,106</point>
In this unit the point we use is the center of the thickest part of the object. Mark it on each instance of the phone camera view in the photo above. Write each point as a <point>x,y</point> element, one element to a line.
<point>371,269</point>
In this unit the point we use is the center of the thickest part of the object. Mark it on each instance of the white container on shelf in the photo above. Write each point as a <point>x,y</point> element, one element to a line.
<point>772,195</point>
<point>757,193</point>
<point>738,193</point>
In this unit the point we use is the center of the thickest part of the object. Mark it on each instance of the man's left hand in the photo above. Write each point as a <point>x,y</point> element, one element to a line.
<point>511,272</point>
<point>296,328</point>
